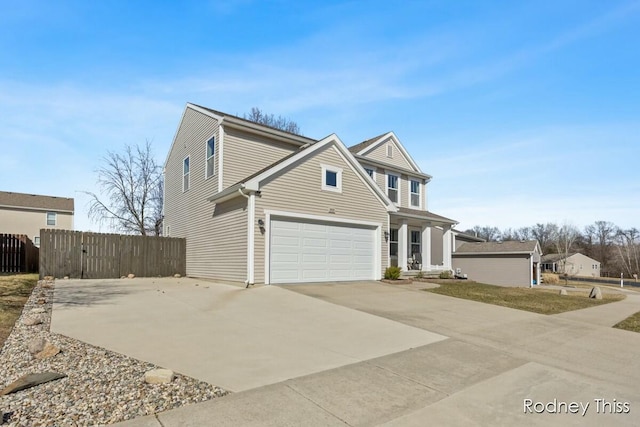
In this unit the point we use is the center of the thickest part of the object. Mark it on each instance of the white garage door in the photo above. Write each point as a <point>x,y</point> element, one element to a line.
<point>304,251</point>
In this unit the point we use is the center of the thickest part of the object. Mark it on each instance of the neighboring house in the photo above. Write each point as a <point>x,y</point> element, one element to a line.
<point>509,263</point>
<point>576,264</point>
<point>28,213</point>
<point>260,205</point>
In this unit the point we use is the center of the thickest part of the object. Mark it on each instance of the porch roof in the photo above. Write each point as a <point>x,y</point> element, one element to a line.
<point>422,215</point>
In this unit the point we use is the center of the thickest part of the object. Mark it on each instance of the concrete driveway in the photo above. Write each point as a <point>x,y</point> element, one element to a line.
<point>495,360</point>
<point>229,336</point>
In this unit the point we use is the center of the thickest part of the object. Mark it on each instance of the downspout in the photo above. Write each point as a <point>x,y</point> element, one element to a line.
<point>251,217</point>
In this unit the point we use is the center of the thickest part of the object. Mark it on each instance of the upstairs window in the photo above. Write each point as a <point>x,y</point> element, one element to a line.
<point>211,144</point>
<point>332,179</point>
<point>369,171</point>
<point>392,187</point>
<point>51,218</point>
<point>415,193</point>
<point>185,174</point>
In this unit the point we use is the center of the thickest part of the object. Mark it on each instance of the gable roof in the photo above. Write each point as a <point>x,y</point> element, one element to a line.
<point>364,144</point>
<point>35,201</point>
<point>506,247</point>
<point>368,145</point>
<point>560,257</point>
<point>242,124</point>
<point>253,182</point>
<point>426,215</point>
<point>463,235</point>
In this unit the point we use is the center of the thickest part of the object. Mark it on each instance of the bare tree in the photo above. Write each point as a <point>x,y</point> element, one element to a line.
<point>545,234</point>
<point>565,240</point>
<point>131,184</point>
<point>258,116</point>
<point>599,238</point>
<point>628,245</point>
<point>488,233</point>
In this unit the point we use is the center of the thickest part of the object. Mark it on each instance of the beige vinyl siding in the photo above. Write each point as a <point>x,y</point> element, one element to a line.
<point>581,265</point>
<point>298,190</point>
<point>224,255</point>
<point>503,270</point>
<point>380,154</point>
<point>189,214</point>
<point>29,221</point>
<point>245,154</point>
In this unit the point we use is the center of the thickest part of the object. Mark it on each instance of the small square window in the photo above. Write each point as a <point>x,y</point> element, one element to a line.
<point>36,241</point>
<point>51,218</point>
<point>331,178</point>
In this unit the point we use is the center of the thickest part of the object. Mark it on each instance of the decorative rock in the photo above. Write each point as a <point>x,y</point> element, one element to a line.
<point>131,275</point>
<point>48,278</point>
<point>158,376</point>
<point>49,350</point>
<point>177,275</point>
<point>32,321</point>
<point>36,345</point>
<point>31,380</point>
<point>41,301</point>
<point>38,310</point>
<point>595,293</point>
<point>563,292</point>
<point>66,277</point>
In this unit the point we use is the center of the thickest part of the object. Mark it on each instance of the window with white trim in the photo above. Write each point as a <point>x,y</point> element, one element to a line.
<point>415,193</point>
<point>36,241</point>
<point>52,218</point>
<point>393,242</point>
<point>370,172</point>
<point>393,185</point>
<point>210,167</point>
<point>185,174</point>
<point>415,242</point>
<point>331,178</point>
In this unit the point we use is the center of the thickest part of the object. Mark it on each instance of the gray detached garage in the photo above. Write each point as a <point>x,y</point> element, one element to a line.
<point>303,250</point>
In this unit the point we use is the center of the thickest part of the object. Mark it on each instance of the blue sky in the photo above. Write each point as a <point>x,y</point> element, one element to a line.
<point>523,112</point>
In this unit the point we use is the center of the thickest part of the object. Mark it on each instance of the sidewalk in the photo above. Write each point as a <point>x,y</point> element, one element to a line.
<point>606,314</point>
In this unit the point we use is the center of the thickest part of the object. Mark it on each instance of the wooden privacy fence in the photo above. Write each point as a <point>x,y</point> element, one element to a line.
<point>84,255</point>
<point>18,254</point>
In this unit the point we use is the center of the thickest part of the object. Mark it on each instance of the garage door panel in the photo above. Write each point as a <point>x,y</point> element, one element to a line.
<point>305,251</point>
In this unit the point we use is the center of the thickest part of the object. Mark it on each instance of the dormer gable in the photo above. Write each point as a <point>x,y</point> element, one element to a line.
<point>388,149</point>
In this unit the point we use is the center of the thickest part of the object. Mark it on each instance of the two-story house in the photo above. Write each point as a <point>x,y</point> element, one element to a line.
<point>259,205</point>
<point>28,213</point>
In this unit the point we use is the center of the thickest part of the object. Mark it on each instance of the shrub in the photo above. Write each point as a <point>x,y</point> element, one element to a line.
<point>550,279</point>
<point>392,273</point>
<point>419,275</point>
<point>446,275</point>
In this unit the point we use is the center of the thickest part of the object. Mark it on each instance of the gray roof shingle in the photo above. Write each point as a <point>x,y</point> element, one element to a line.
<point>34,201</point>
<point>512,246</point>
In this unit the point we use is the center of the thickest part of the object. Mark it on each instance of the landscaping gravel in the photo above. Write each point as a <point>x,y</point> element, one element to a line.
<point>101,387</point>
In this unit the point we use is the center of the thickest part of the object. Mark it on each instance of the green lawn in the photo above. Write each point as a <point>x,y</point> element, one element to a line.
<point>537,300</point>
<point>14,293</point>
<point>631,323</point>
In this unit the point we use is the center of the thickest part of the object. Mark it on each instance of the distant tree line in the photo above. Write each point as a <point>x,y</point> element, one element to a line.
<point>617,249</point>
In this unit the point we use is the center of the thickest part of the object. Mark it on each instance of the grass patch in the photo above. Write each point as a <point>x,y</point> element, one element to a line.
<point>14,293</point>
<point>631,323</point>
<point>543,301</point>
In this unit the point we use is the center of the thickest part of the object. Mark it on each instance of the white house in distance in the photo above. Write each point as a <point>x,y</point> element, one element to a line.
<point>575,264</point>
<point>259,205</point>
